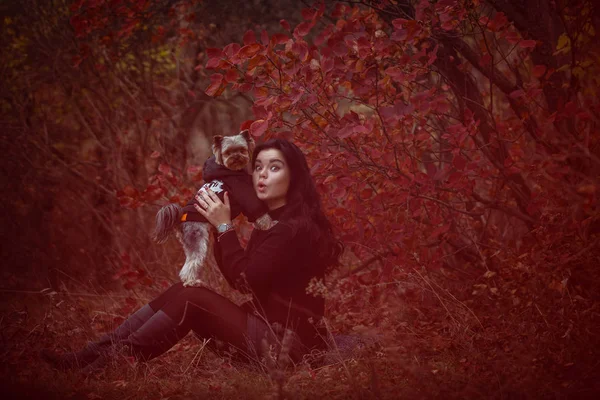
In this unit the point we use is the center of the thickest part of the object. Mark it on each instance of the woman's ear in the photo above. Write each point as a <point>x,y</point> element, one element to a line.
<point>217,142</point>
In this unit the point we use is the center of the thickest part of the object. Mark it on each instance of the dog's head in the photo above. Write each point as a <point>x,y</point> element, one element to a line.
<point>233,152</point>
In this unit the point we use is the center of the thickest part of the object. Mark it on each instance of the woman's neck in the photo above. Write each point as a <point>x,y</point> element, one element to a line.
<point>276,213</point>
<point>276,204</point>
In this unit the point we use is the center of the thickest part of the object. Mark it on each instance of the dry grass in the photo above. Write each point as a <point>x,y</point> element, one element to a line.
<point>189,370</point>
<point>434,345</point>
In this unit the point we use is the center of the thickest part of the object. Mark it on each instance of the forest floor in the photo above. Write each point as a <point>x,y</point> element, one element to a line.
<point>31,322</point>
<point>431,367</point>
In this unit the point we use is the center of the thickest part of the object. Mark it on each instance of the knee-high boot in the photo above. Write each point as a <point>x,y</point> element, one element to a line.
<point>154,338</point>
<point>92,350</point>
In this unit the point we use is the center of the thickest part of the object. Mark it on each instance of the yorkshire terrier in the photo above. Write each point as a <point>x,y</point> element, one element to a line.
<point>226,171</point>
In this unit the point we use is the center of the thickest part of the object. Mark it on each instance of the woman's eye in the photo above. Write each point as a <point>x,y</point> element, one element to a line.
<point>274,168</point>
<point>257,167</point>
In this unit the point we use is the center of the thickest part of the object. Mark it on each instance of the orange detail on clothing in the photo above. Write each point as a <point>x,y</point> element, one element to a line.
<point>184,217</point>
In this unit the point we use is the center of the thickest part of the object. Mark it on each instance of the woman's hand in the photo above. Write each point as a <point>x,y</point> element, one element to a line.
<point>212,208</point>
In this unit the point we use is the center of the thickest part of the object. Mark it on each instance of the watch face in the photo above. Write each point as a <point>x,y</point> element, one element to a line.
<point>223,227</point>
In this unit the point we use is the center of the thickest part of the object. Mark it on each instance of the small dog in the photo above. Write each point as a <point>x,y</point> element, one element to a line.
<point>226,170</point>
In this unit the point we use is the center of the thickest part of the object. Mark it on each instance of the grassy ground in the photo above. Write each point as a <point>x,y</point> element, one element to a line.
<point>511,355</point>
<point>190,370</point>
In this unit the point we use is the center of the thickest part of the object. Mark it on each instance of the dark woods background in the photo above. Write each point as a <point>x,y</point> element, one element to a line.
<point>92,103</point>
<point>455,145</point>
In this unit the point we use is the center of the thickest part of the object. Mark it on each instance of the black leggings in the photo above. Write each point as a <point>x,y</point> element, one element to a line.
<point>211,315</point>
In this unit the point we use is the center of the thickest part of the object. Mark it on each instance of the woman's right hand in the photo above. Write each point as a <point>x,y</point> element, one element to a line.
<point>212,208</point>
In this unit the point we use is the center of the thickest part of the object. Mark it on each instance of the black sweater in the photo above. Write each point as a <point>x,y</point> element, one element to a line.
<point>276,268</point>
<point>238,184</point>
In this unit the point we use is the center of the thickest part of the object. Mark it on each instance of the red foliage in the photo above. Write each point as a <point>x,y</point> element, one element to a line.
<point>410,172</point>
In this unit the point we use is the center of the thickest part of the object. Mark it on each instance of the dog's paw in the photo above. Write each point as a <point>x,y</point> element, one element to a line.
<point>194,283</point>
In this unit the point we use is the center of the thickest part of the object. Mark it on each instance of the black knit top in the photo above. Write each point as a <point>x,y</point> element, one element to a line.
<point>276,268</point>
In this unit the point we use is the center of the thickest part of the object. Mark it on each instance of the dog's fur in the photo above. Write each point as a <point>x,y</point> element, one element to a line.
<point>233,152</point>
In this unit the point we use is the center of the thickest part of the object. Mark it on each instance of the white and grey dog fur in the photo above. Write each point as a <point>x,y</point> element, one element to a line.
<point>232,152</point>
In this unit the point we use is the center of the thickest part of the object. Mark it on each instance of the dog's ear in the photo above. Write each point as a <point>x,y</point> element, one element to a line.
<point>250,140</point>
<point>217,142</point>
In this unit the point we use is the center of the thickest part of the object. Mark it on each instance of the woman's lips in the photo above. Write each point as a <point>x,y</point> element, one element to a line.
<point>261,187</point>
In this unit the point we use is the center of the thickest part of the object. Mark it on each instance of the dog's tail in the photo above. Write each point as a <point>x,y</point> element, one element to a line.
<point>167,219</point>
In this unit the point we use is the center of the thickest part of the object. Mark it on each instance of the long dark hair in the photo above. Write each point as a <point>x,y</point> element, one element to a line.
<point>303,206</point>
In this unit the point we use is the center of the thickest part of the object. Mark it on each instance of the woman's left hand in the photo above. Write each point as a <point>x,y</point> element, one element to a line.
<point>212,208</point>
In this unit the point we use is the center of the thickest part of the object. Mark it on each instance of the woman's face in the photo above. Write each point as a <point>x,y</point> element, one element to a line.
<point>271,178</point>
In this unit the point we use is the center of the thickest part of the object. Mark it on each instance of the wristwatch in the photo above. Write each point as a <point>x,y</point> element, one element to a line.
<point>224,228</point>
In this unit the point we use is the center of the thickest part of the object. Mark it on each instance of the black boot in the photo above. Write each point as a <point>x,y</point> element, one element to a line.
<point>92,350</point>
<point>154,338</point>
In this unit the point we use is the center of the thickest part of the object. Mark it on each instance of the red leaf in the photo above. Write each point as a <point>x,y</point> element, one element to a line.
<point>175,199</point>
<point>264,37</point>
<point>338,47</point>
<point>258,127</point>
<point>351,130</point>
<point>279,38</point>
<point>214,53</point>
<point>339,193</point>
<point>260,112</point>
<point>249,37</point>
<point>153,192</point>
<point>327,64</point>
<point>130,191</point>
<point>246,87</point>
<point>330,178</point>
<point>249,51</point>
<point>516,94</point>
<point>255,61</point>
<point>213,63</point>
<point>261,92</point>
<point>365,194</point>
<point>539,71</point>
<point>215,84</point>
<point>231,75</point>
<point>308,13</point>
<point>527,44</point>
<point>284,24</point>
<point>246,124</point>
<point>512,37</point>
<point>399,23</point>
<point>339,10</point>
<point>164,169</point>
<point>500,20</point>
<point>303,28</point>
<point>301,50</point>
<point>231,49</point>
<point>194,170</point>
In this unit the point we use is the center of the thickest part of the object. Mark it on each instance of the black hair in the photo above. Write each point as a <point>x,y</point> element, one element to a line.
<point>303,203</point>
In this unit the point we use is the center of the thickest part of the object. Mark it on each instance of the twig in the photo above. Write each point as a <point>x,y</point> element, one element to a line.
<point>201,351</point>
<point>437,295</point>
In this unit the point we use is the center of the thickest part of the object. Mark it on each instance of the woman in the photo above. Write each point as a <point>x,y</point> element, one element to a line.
<point>275,268</point>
